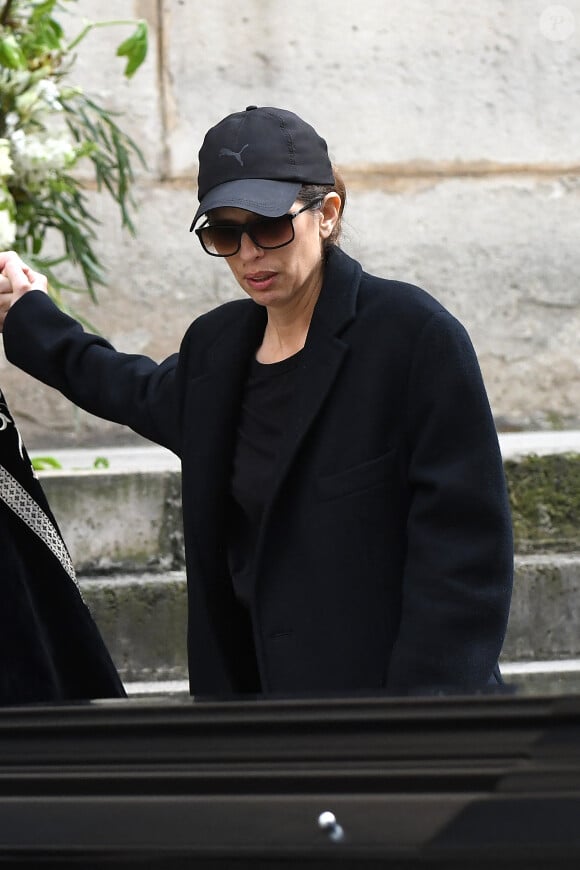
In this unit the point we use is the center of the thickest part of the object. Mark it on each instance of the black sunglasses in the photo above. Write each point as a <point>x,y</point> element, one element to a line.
<point>225,240</point>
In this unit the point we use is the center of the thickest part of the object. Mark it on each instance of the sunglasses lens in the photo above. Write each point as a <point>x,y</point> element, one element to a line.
<point>222,241</point>
<point>273,232</point>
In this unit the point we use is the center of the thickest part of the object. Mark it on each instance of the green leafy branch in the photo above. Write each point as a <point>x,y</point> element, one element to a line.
<point>47,127</point>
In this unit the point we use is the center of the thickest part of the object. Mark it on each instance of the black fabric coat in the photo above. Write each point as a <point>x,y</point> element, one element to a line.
<point>384,561</point>
<point>50,647</point>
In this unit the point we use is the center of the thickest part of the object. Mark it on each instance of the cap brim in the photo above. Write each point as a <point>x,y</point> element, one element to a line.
<point>262,196</point>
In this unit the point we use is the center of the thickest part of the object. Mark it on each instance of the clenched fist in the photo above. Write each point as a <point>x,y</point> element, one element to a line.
<point>16,279</point>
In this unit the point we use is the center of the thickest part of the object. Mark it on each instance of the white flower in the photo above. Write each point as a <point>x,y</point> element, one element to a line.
<point>7,230</point>
<point>12,120</point>
<point>49,94</point>
<point>6,168</point>
<point>6,198</point>
<point>36,156</point>
<point>38,100</point>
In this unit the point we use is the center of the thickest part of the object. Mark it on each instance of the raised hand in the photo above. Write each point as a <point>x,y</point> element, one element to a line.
<point>16,279</point>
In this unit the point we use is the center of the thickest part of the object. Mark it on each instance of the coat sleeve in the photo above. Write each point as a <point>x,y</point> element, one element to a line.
<point>459,567</point>
<point>125,388</point>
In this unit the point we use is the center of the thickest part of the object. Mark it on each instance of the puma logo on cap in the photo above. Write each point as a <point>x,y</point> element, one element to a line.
<point>227,152</point>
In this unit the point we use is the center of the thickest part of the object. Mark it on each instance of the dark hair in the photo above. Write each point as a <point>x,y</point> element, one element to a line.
<point>311,193</point>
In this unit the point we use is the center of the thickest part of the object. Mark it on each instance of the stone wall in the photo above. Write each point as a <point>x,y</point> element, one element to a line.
<point>456,125</point>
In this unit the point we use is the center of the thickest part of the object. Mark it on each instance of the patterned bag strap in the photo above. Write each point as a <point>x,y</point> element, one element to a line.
<point>19,500</point>
<point>16,497</point>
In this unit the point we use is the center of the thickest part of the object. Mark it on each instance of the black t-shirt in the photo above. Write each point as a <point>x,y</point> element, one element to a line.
<point>264,413</point>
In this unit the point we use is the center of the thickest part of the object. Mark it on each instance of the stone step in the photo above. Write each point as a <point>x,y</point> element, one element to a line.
<point>555,677</point>
<point>143,621</point>
<point>143,617</point>
<point>552,677</point>
<point>545,502</point>
<point>122,521</point>
<point>128,517</point>
<point>123,527</point>
<point>545,612</point>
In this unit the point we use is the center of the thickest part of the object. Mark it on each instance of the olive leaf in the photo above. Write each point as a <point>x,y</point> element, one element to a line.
<point>134,48</point>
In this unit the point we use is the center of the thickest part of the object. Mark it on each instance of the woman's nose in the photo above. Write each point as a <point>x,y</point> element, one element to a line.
<point>248,248</point>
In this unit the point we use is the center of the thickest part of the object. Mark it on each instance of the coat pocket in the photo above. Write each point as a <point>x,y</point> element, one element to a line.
<point>358,478</point>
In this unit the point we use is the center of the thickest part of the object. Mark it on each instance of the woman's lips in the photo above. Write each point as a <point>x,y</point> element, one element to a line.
<point>260,280</point>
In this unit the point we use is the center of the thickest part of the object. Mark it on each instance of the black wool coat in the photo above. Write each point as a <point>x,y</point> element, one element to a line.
<point>50,647</point>
<point>384,562</point>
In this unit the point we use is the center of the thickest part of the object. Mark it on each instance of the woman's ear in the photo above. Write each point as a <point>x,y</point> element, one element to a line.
<point>330,210</point>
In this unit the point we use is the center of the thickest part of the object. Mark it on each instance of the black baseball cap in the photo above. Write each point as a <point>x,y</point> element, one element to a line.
<point>258,160</point>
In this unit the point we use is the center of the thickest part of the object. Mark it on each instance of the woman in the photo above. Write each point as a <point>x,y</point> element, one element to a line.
<point>345,513</point>
<point>50,647</point>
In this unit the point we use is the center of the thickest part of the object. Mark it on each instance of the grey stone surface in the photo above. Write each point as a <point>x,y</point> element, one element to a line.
<point>397,81</point>
<point>545,612</point>
<point>551,682</point>
<point>119,521</point>
<point>147,458</point>
<point>485,249</point>
<point>100,72</point>
<point>123,527</point>
<point>454,125</point>
<point>143,621</point>
<point>150,458</point>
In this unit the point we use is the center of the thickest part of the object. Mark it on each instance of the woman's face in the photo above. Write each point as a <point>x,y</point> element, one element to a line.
<point>282,277</point>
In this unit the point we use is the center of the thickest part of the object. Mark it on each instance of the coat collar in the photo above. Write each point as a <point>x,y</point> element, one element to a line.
<point>323,356</point>
<point>215,399</point>
<point>334,310</point>
<point>336,305</point>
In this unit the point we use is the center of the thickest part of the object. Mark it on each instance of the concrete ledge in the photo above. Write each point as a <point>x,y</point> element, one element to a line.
<point>552,677</point>
<point>516,445</point>
<point>118,521</point>
<point>545,611</point>
<point>143,617</point>
<point>523,678</point>
<point>130,519</point>
<point>173,689</point>
<point>149,457</point>
<point>144,457</point>
<point>143,621</point>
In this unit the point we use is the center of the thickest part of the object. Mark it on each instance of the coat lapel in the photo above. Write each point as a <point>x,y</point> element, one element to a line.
<point>218,391</point>
<point>214,398</point>
<point>323,356</point>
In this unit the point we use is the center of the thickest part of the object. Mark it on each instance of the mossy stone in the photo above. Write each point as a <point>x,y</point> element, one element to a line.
<point>544,496</point>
